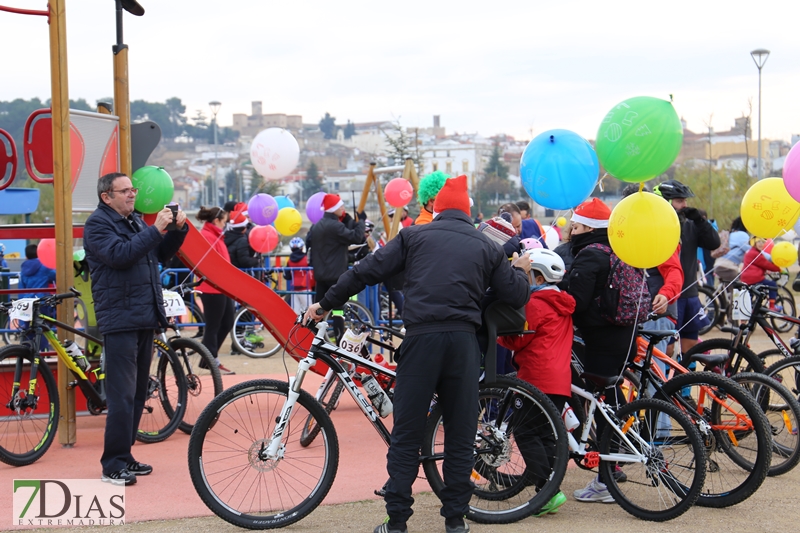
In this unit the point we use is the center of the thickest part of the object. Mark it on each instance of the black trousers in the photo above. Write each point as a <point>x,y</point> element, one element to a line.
<point>536,440</point>
<point>447,363</point>
<point>218,310</point>
<point>127,357</point>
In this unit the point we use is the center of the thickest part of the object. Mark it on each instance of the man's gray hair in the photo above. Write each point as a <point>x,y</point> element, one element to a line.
<point>106,183</point>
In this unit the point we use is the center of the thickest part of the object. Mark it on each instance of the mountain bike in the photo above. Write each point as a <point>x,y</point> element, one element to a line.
<point>249,468</point>
<point>31,412</point>
<point>735,432</point>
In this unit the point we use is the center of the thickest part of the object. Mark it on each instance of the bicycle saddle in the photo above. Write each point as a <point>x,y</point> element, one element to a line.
<point>602,382</point>
<point>709,359</point>
<point>658,334</point>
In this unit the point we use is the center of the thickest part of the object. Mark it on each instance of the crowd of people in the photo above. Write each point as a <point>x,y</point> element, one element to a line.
<point>441,268</point>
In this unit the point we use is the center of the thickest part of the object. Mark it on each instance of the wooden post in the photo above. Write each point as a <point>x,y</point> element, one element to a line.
<point>410,173</point>
<point>398,214</point>
<point>62,184</point>
<point>122,106</point>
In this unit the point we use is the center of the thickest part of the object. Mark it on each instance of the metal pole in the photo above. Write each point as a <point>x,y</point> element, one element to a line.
<point>216,170</point>
<point>759,123</point>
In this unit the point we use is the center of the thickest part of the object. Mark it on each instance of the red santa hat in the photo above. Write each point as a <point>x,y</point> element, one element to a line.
<point>593,213</point>
<point>453,195</point>
<point>331,202</point>
<point>239,216</point>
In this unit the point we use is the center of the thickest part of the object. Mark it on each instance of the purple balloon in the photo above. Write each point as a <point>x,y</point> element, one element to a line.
<point>262,209</point>
<point>314,210</point>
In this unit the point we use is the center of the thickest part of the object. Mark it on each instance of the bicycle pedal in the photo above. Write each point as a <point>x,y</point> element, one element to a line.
<point>591,459</point>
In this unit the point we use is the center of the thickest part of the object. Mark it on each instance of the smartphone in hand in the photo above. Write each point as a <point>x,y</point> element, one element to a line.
<point>172,226</point>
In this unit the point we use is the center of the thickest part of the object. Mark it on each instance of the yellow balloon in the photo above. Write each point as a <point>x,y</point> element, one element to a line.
<point>784,254</point>
<point>644,230</point>
<point>767,210</point>
<point>561,222</point>
<point>289,221</point>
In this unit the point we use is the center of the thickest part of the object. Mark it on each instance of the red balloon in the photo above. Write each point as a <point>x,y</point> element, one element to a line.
<point>399,192</point>
<point>46,250</point>
<point>768,246</point>
<point>264,239</point>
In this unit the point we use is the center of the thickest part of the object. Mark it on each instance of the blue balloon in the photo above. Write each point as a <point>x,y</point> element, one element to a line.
<point>283,201</point>
<point>559,169</point>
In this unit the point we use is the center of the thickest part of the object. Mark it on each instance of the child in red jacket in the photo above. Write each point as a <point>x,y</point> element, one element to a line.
<point>755,265</point>
<point>543,359</point>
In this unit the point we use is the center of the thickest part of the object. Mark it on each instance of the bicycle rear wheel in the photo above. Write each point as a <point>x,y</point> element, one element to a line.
<point>203,380</point>
<point>783,413</point>
<point>235,480</point>
<point>26,431</point>
<point>670,481</point>
<point>785,302</point>
<point>165,404</point>
<point>735,433</point>
<point>250,337</point>
<point>506,489</point>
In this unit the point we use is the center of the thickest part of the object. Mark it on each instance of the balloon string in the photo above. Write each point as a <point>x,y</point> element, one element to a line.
<point>641,186</point>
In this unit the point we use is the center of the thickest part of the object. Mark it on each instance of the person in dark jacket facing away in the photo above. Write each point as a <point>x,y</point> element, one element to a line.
<point>696,232</point>
<point>34,275</point>
<point>448,266</point>
<point>332,236</point>
<point>607,345</point>
<point>242,256</point>
<point>123,255</point>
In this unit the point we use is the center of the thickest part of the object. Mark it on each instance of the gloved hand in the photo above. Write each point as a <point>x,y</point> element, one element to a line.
<point>362,216</point>
<point>691,213</point>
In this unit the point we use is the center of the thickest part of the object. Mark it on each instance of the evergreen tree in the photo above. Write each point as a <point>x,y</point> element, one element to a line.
<point>349,130</point>
<point>495,166</point>
<point>313,182</point>
<point>327,126</point>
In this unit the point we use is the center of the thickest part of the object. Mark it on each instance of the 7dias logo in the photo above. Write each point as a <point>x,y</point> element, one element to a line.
<point>68,502</point>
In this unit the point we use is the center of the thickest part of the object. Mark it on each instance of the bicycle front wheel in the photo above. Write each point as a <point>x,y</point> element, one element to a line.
<point>735,433</point>
<point>203,380</point>
<point>250,337</point>
<point>28,423</point>
<point>711,304</point>
<point>165,403</point>
<point>507,488</point>
<point>669,479</point>
<point>230,471</point>
<point>783,414</point>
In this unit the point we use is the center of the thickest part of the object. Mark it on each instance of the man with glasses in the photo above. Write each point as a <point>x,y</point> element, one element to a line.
<point>123,255</point>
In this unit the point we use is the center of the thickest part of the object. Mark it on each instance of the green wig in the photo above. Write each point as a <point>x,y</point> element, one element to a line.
<point>430,185</point>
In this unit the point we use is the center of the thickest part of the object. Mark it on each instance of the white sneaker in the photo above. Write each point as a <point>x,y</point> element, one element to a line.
<point>594,492</point>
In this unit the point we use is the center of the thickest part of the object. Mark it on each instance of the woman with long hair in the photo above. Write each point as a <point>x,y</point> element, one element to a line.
<point>217,308</point>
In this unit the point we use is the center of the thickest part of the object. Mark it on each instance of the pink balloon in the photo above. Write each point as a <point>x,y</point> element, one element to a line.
<point>262,209</point>
<point>398,192</point>
<point>46,250</point>
<point>314,209</point>
<point>263,239</point>
<point>791,172</point>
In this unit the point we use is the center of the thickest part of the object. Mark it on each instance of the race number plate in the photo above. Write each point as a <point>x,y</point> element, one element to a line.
<point>173,304</point>
<point>742,305</point>
<point>22,309</point>
<point>352,341</point>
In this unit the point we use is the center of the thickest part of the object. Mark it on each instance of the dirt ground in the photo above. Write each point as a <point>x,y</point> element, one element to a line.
<point>770,509</point>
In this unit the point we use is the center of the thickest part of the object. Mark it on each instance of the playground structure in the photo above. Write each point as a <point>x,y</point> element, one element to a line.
<point>68,159</point>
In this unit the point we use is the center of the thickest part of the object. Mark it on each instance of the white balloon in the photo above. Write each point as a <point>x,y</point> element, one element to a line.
<point>551,237</point>
<point>274,153</point>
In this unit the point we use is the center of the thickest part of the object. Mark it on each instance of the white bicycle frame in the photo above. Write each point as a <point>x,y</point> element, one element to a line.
<point>275,449</point>
<point>580,448</point>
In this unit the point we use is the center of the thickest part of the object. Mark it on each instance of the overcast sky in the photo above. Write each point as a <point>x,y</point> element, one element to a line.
<point>492,67</point>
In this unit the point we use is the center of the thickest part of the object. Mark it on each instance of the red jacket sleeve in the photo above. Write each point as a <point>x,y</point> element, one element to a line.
<point>766,264</point>
<point>672,272</point>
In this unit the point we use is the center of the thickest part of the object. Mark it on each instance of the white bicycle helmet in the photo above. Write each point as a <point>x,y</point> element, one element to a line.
<point>548,263</point>
<point>296,243</point>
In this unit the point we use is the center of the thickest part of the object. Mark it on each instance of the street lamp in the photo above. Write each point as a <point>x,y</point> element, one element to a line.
<point>760,56</point>
<point>214,110</point>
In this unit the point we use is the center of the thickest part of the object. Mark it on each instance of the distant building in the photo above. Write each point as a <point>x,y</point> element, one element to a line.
<point>250,125</point>
<point>732,149</point>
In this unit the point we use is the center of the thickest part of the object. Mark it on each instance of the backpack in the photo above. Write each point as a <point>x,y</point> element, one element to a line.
<point>724,245</point>
<point>625,300</point>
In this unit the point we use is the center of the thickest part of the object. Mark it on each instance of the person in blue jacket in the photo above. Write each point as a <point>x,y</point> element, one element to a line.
<point>34,275</point>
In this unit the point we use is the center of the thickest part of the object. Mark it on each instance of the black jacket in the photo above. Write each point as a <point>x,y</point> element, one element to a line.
<point>587,277</point>
<point>123,263</point>
<point>694,234</point>
<point>448,266</point>
<point>242,256</point>
<point>331,238</point>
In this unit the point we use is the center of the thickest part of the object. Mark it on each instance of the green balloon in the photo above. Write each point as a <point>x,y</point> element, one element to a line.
<point>639,139</point>
<point>155,189</point>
